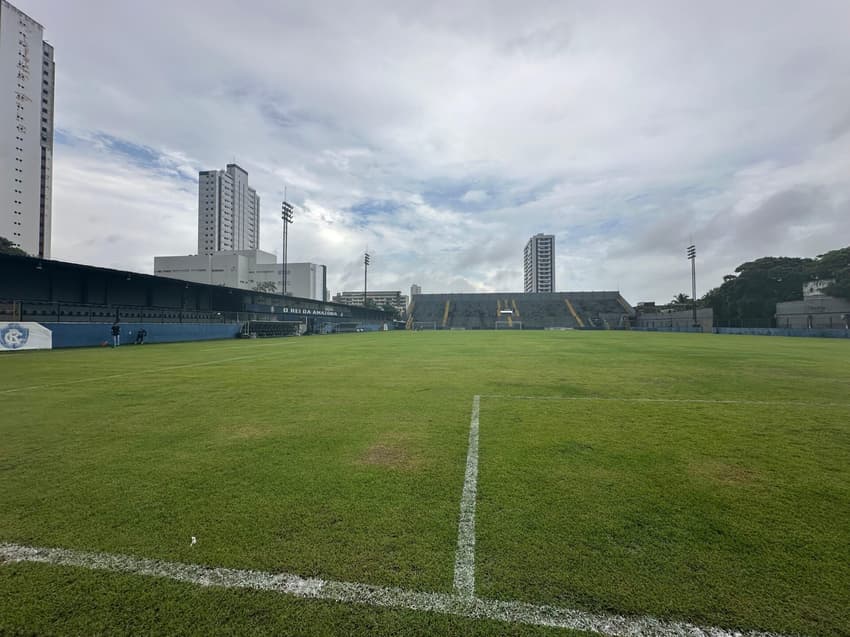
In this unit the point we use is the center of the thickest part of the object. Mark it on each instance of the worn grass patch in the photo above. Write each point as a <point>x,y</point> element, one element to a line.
<point>723,473</point>
<point>245,431</point>
<point>393,451</point>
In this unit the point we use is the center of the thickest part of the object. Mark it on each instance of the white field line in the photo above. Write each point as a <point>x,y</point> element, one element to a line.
<point>353,593</point>
<point>464,577</point>
<point>708,401</point>
<point>136,372</point>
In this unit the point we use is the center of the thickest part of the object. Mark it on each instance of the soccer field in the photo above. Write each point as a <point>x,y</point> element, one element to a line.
<point>467,483</point>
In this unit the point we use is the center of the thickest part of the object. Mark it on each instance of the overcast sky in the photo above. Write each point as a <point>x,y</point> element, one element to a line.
<point>442,135</point>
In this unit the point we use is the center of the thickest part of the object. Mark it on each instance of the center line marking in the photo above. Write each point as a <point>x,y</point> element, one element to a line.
<point>464,578</point>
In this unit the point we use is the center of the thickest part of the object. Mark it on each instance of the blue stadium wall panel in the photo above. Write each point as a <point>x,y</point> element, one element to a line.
<point>784,331</point>
<point>94,334</point>
<point>755,331</point>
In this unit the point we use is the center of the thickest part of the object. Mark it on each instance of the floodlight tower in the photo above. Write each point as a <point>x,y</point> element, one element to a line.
<point>366,259</point>
<point>692,256</point>
<point>286,211</point>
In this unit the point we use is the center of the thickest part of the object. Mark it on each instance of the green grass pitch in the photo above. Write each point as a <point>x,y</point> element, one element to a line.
<point>700,478</point>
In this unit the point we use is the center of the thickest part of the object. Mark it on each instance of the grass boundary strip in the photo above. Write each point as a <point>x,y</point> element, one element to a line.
<point>137,372</point>
<point>637,399</point>
<point>353,593</point>
<point>464,575</point>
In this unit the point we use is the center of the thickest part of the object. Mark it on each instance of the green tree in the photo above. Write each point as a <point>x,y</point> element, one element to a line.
<point>7,247</point>
<point>269,287</point>
<point>391,310</point>
<point>681,299</point>
<point>751,294</point>
<point>834,265</point>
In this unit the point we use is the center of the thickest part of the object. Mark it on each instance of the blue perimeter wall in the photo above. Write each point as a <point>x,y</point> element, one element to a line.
<point>783,331</point>
<point>755,331</point>
<point>94,334</point>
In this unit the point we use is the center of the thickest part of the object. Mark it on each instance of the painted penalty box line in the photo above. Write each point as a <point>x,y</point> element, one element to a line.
<point>464,574</point>
<point>637,399</point>
<point>365,594</point>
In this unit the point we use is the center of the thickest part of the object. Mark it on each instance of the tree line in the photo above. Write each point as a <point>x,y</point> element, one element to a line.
<point>755,288</point>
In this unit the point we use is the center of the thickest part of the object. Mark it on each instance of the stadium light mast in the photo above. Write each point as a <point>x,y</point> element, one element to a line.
<point>286,211</point>
<point>366,259</point>
<point>692,256</point>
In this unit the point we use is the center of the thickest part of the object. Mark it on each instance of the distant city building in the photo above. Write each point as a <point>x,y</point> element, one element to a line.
<point>539,263</point>
<point>414,290</point>
<point>249,270</point>
<point>380,298</point>
<point>816,310</point>
<point>228,211</point>
<point>816,288</point>
<point>27,73</point>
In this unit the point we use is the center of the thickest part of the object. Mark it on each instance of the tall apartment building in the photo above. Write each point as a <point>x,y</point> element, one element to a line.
<point>539,263</point>
<point>414,290</point>
<point>27,73</point>
<point>228,211</point>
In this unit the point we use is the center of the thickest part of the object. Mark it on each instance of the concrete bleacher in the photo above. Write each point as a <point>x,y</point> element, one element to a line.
<point>269,329</point>
<point>602,310</point>
<point>591,310</point>
<point>40,311</point>
<point>544,310</point>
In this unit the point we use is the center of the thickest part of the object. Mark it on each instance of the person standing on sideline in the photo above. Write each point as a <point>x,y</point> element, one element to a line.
<point>140,336</point>
<point>116,334</point>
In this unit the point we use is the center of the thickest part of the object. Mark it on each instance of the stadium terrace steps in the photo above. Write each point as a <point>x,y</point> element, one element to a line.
<point>573,313</point>
<point>409,323</point>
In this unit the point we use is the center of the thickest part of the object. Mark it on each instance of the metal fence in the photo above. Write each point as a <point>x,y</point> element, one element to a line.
<point>58,312</point>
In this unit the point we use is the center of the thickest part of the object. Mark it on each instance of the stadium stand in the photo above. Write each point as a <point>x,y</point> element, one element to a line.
<point>577,310</point>
<point>266,329</point>
<point>77,298</point>
<point>602,310</point>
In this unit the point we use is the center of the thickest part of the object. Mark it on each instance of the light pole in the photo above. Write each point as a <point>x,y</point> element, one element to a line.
<point>692,255</point>
<point>365,273</point>
<point>285,214</point>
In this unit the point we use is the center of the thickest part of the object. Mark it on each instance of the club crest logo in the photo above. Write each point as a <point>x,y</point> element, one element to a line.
<point>14,336</point>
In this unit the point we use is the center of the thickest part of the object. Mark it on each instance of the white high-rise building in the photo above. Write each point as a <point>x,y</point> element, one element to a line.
<point>228,211</point>
<point>414,290</point>
<point>539,263</point>
<point>27,74</point>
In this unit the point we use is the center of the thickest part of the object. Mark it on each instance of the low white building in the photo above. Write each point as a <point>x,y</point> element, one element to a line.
<point>816,310</point>
<point>816,288</point>
<point>247,269</point>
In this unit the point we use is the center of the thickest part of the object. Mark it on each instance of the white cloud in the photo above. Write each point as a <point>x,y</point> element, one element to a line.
<point>442,135</point>
<point>474,196</point>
